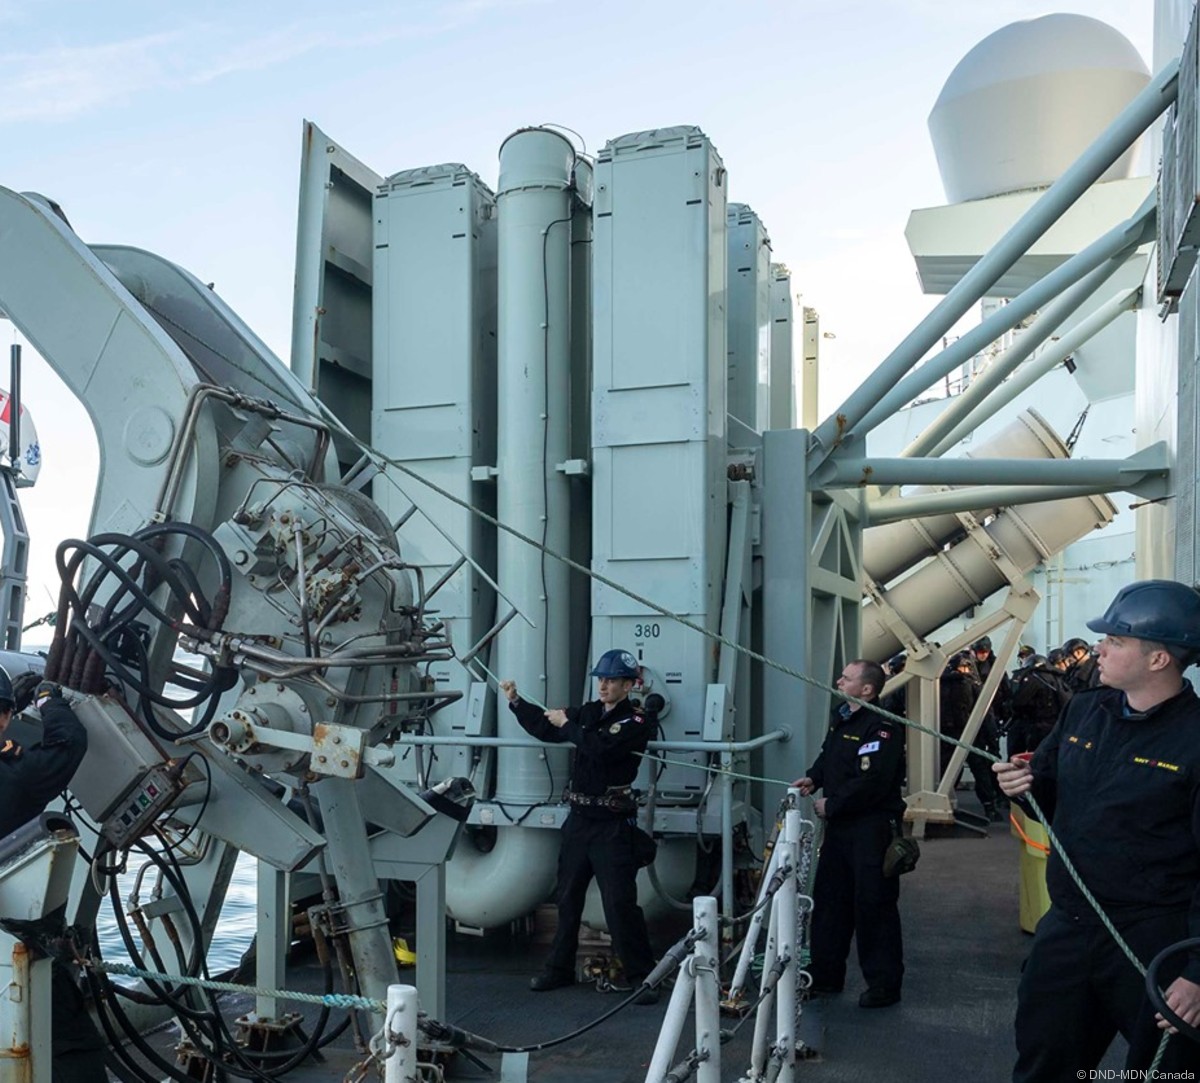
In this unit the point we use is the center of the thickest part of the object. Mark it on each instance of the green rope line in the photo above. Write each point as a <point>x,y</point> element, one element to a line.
<point>379,459</point>
<point>1152,1071</point>
<point>496,681</point>
<point>327,1000</point>
<point>713,769</point>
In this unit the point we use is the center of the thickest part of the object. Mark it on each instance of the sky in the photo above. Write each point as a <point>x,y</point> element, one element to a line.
<point>176,128</point>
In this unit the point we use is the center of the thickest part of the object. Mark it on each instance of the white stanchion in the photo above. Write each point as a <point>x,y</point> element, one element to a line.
<point>400,1035</point>
<point>706,964</point>
<point>672,1027</point>
<point>762,1017</point>
<point>785,998</point>
<point>746,956</point>
<point>699,977</point>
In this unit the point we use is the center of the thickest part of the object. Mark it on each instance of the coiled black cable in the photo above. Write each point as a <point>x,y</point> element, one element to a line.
<point>317,1040</point>
<point>1157,999</point>
<point>288,1059</point>
<point>86,646</point>
<point>206,1028</point>
<point>111,1015</point>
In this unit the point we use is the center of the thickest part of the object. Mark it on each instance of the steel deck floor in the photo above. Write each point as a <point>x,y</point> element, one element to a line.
<point>963,952</point>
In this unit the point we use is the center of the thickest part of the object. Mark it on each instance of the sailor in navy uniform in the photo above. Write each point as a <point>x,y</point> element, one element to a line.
<point>860,771</point>
<point>30,778</point>
<point>600,837</point>
<point>1119,780</point>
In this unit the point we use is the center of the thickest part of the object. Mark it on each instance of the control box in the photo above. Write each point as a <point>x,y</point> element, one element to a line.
<point>142,804</point>
<point>132,777</point>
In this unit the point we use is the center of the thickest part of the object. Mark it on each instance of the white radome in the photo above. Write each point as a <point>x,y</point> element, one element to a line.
<point>1026,101</point>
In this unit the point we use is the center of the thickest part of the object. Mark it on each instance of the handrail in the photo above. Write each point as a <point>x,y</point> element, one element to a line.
<point>780,735</point>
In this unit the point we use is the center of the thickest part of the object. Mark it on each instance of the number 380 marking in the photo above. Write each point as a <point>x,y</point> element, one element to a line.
<point>647,631</point>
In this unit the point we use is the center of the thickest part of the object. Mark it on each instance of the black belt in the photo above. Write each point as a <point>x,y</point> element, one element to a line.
<point>620,799</point>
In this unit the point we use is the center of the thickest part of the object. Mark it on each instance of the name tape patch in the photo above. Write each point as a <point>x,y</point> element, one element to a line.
<point>1143,761</point>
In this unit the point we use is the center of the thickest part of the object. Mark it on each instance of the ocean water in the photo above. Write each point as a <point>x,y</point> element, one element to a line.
<point>235,928</point>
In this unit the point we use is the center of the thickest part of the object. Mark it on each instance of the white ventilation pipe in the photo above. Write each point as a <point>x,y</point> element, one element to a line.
<point>507,882</point>
<point>892,549</point>
<point>533,438</point>
<point>963,576</point>
<point>534,277</point>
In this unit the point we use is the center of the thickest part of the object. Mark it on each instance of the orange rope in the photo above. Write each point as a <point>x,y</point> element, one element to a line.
<point>1012,818</point>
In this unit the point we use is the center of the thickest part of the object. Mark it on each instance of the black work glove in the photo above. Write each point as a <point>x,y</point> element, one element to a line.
<point>44,691</point>
<point>23,689</point>
<point>29,689</point>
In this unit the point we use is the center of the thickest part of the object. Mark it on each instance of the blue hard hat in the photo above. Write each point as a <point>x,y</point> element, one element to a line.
<point>617,663</point>
<point>1158,609</point>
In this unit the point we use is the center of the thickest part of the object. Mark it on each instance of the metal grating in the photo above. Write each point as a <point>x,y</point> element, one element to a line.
<point>1179,212</point>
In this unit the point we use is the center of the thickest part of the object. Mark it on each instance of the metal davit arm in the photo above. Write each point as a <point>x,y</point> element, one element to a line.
<point>142,360</point>
<point>131,378</point>
<point>988,392</point>
<point>1054,354</point>
<point>1116,474</point>
<point>1107,148</point>
<point>1117,242</point>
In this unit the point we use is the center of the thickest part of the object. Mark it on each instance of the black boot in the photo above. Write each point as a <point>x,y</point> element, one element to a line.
<point>550,979</point>
<point>879,997</point>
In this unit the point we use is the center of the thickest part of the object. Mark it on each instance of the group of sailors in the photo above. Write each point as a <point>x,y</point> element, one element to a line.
<point>1115,773</point>
<point>1024,707</point>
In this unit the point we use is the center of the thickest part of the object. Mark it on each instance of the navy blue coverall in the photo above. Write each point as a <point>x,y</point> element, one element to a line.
<point>861,770</point>
<point>30,778</point>
<point>1122,792</point>
<point>598,841</point>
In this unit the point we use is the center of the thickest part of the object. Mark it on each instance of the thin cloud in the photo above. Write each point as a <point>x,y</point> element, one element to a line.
<point>327,35</point>
<point>60,83</point>
<point>12,11</point>
<point>65,81</point>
